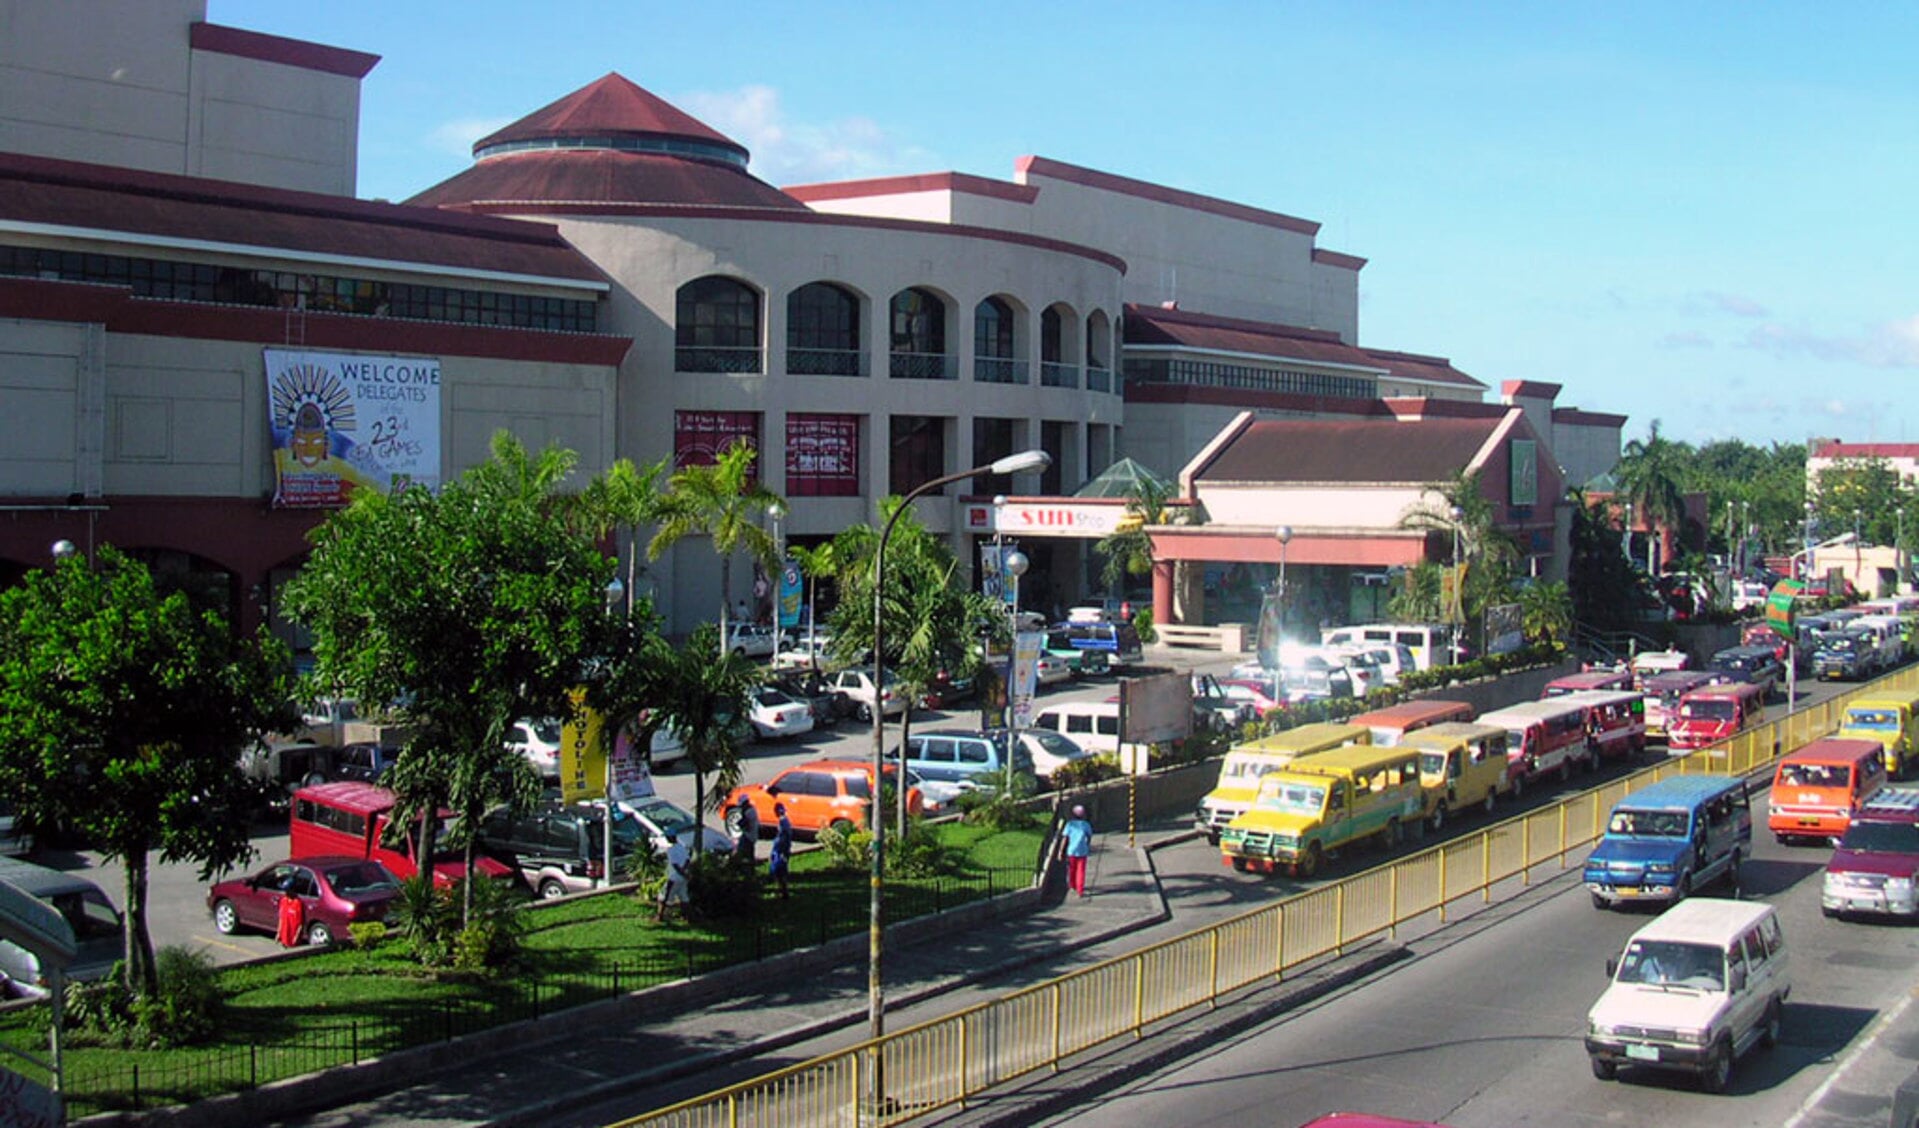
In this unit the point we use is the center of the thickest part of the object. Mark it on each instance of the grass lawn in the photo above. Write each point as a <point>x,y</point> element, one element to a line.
<point>333,1007</point>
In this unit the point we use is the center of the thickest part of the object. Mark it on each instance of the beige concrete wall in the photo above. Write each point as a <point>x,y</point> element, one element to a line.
<point>1584,452</point>
<point>187,417</point>
<point>115,82</point>
<point>97,80</point>
<point>272,124</point>
<point>50,386</point>
<point>1312,506</point>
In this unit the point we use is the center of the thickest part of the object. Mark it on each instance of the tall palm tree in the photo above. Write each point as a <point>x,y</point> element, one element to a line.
<point>1649,477</point>
<point>722,501</point>
<point>1458,508</point>
<point>821,560</point>
<point>1129,550</point>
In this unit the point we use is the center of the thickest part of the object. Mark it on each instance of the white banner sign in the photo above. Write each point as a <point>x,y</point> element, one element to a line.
<point>1092,520</point>
<point>1025,676</point>
<point>338,421</point>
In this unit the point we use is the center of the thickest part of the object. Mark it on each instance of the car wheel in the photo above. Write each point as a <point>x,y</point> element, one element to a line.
<point>551,888</point>
<point>733,820</point>
<point>226,918</point>
<point>320,934</point>
<point>1605,1070</point>
<point>1241,864</point>
<point>841,826</point>
<point>1492,797</point>
<point>739,652</point>
<point>864,713</point>
<point>1393,835</point>
<point>1309,862</point>
<point>1519,788</point>
<point>1439,817</point>
<point>1212,838</point>
<point>1718,1071</point>
<point>1601,903</point>
<point>313,779</point>
<point>1732,874</point>
<point>1769,1026</point>
<point>1684,889</point>
<point>1565,771</point>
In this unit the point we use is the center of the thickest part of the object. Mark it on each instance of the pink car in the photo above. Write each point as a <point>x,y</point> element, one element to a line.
<point>1255,693</point>
<point>334,892</point>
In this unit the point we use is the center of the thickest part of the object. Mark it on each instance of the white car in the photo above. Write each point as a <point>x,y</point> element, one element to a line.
<point>802,653</point>
<point>775,715</point>
<point>539,742</point>
<point>751,640</point>
<point>1051,751</point>
<point>661,821</point>
<point>858,685</point>
<point>1053,670</point>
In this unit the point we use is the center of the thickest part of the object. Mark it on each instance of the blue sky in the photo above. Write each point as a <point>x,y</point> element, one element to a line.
<point>1699,213</point>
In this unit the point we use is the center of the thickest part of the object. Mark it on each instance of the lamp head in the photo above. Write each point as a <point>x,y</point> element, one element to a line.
<point>1017,563</point>
<point>1022,462</point>
<point>1284,533</point>
<point>63,548</point>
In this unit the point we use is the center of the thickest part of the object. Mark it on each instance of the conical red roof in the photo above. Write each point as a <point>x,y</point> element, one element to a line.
<point>610,107</point>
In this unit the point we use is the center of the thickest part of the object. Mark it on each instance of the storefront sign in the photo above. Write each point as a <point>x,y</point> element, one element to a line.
<point>1046,518</point>
<point>336,422</point>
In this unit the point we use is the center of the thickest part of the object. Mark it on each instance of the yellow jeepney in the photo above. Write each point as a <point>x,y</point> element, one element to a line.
<point>1461,765</point>
<point>1246,764</point>
<point>1318,805</point>
<point>1889,717</point>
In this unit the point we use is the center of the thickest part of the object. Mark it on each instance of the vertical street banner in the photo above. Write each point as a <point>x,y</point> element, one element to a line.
<point>992,573</point>
<point>337,422</point>
<point>1025,676</point>
<point>789,606</point>
<point>582,759</point>
<point>1782,608</point>
<point>1452,594</point>
<point>1267,640</point>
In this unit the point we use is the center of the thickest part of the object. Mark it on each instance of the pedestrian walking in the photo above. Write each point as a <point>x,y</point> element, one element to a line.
<point>740,611</point>
<point>782,856</point>
<point>1076,842</point>
<point>673,889</point>
<point>746,846</point>
<point>293,916</point>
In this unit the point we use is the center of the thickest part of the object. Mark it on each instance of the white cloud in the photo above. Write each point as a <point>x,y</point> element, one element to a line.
<point>457,136</point>
<point>1891,345</point>
<point>789,152</point>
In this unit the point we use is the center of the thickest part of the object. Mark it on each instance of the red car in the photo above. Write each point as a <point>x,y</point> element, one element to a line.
<point>334,892</point>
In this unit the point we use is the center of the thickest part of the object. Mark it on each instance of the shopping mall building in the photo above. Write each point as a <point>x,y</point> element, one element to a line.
<point>206,339</point>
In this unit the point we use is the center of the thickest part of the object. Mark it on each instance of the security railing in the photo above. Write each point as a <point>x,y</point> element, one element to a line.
<point>943,1062</point>
<point>1055,374</point>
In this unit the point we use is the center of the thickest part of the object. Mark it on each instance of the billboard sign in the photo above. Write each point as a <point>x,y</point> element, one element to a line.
<point>338,421</point>
<point>1155,709</point>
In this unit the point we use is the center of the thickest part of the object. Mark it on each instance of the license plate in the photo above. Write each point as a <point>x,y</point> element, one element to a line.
<point>1862,903</point>
<point>1626,891</point>
<point>1809,822</point>
<point>1643,1053</point>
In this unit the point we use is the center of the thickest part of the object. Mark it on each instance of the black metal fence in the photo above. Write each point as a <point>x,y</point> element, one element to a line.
<point>137,1080</point>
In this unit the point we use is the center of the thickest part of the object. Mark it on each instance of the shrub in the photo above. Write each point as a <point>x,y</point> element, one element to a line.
<point>719,888</point>
<point>366,935</point>
<point>918,855</point>
<point>1086,771</point>
<point>999,808</point>
<point>425,916</point>
<point>847,849</point>
<point>186,1006</point>
<point>100,1013</point>
<point>1143,625</point>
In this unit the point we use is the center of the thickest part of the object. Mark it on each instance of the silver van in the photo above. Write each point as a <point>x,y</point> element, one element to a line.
<point>95,922</point>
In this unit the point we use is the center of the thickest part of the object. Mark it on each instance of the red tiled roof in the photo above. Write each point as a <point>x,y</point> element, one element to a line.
<point>603,176</point>
<point>1159,193</point>
<point>223,40</point>
<point>611,106</point>
<point>1833,448</point>
<point>1154,325</point>
<point>1533,388</point>
<point>71,194</point>
<point>1431,369</point>
<point>1360,450</point>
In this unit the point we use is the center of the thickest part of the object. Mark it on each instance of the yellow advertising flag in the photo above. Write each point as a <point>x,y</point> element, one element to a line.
<point>582,758</point>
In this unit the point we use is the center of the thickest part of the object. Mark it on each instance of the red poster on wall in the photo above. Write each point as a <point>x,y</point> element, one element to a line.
<point>822,455</point>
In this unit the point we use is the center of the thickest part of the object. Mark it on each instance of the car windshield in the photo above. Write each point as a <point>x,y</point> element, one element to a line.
<point>1884,719</point>
<point>767,695</point>
<point>1298,798</point>
<point>361,877</point>
<point>669,817</point>
<point>1672,963</point>
<point>1814,775</point>
<point>1656,824</point>
<point>548,731</point>
<point>1881,837</point>
<point>1715,709</point>
<point>1432,763</point>
<point>1247,768</point>
<point>1838,644</point>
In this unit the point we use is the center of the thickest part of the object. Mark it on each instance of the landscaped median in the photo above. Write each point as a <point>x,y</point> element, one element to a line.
<point>316,1010</point>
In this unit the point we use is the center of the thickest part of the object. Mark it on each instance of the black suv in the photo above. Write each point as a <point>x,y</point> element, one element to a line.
<point>558,850</point>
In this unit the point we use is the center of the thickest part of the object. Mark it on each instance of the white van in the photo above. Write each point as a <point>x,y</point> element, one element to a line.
<point>1093,725</point>
<point>1692,991</point>
<point>1431,643</point>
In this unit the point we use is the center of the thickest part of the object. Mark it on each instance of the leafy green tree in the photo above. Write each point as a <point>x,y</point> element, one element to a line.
<point>1598,577</point>
<point>722,501</point>
<point>476,605</point>
<point>820,560</point>
<point>1546,611</point>
<point>1866,492</point>
<point>122,716</point>
<point>1650,474</point>
<point>1458,507</point>
<point>704,698</point>
<point>1128,550</point>
<point>930,622</point>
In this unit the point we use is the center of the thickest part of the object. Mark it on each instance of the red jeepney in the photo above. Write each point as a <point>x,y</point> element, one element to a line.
<point>1615,720</point>
<point>1587,680</point>
<point>1542,737</point>
<point>1715,713</point>
<point>1663,692</point>
<point>351,819</point>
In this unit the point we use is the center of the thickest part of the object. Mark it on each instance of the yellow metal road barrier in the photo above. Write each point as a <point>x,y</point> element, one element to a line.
<point>941,1063</point>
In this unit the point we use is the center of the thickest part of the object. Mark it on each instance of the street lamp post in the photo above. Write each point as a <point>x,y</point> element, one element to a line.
<point>1015,563</point>
<point>1284,534</point>
<point>1811,571</point>
<point>615,605</point>
<point>1020,463</point>
<point>1459,581</point>
<point>1899,548</point>
<point>1625,533</point>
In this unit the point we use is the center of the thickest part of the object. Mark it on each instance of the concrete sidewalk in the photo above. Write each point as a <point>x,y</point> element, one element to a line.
<point>596,1063</point>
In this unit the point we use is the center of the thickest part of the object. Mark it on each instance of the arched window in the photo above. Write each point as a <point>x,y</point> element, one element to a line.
<point>1099,377</point>
<point>823,332</point>
<point>993,356</point>
<point>1056,369</point>
<point>919,336</point>
<point>717,327</point>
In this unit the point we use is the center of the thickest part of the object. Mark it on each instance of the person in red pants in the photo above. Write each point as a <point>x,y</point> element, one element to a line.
<point>293,919</point>
<point>1076,839</point>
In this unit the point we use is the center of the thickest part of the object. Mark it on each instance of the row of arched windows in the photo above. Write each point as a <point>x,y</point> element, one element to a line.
<point>717,329</point>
